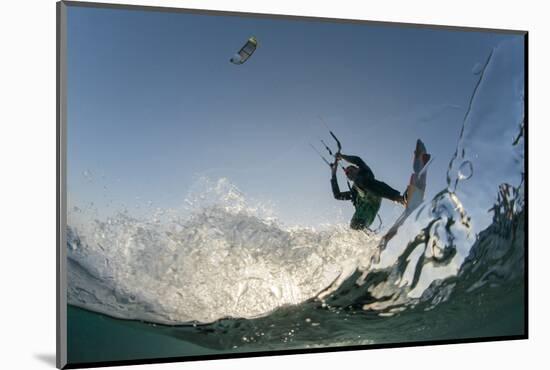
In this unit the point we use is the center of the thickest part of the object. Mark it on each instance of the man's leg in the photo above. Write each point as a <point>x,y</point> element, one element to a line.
<point>384,190</point>
<point>357,223</point>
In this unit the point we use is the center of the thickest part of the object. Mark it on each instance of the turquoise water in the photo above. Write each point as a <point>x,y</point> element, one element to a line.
<point>95,337</point>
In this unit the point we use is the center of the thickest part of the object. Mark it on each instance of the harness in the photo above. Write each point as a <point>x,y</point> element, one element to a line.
<point>366,206</point>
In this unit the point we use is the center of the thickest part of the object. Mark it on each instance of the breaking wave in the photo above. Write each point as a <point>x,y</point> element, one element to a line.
<point>221,261</point>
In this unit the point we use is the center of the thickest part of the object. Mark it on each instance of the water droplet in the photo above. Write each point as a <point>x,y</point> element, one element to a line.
<point>465,171</point>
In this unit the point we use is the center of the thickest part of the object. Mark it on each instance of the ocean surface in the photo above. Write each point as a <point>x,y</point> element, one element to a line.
<point>224,276</point>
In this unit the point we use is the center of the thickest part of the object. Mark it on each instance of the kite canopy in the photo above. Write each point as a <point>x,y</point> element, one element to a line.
<point>246,51</point>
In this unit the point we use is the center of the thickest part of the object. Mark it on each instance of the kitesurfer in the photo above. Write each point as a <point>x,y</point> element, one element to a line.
<point>366,193</point>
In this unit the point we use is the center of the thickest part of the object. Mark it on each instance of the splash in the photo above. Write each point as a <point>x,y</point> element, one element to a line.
<point>222,258</point>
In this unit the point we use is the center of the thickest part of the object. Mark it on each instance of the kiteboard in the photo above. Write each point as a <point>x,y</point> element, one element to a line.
<point>416,188</point>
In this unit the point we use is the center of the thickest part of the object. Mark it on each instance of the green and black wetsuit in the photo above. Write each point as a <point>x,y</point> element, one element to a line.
<point>366,193</point>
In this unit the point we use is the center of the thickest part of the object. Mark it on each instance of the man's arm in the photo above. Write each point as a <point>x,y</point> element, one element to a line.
<point>346,195</point>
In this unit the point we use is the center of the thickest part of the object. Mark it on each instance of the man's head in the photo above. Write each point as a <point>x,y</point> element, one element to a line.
<point>351,172</point>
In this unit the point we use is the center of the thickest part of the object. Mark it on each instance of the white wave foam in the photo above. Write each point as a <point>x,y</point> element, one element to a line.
<point>222,260</point>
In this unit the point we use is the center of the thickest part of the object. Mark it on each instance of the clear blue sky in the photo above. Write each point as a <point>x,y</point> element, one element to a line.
<point>153,103</point>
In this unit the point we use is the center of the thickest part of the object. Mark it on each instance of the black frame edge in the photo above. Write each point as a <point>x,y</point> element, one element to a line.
<point>526,169</point>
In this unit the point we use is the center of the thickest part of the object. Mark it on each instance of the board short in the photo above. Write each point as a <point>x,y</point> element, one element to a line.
<point>366,209</point>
